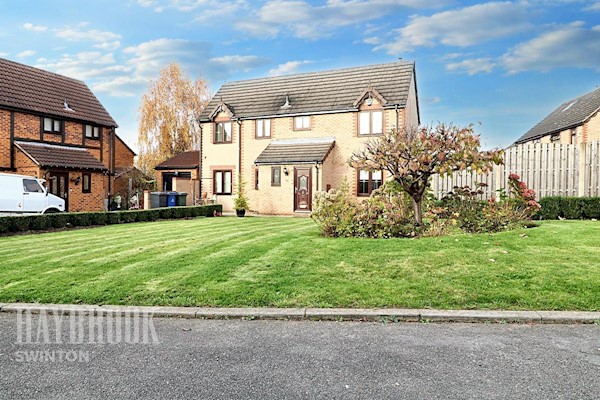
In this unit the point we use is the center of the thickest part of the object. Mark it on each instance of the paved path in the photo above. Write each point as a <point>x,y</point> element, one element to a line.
<point>236,359</point>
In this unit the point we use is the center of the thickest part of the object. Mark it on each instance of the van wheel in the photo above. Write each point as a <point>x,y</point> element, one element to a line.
<point>51,211</point>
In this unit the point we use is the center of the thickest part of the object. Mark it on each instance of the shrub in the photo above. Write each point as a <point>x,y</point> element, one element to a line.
<point>165,213</point>
<point>58,220</point>
<point>590,207</point>
<point>554,207</point>
<point>39,222</point>
<point>333,211</point>
<point>97,218</point>
<point>551,208</point>
<point>61,220</point>
<point>79,219</point>
<point>386,214</point>
<point>113,218</point>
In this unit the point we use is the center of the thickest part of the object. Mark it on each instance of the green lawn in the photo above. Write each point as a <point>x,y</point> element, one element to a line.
<point>284,262</point>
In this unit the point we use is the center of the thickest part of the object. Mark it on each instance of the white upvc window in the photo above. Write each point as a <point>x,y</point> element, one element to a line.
<point>302,122</point>
<point>263,128</point>
<point>370,122</point>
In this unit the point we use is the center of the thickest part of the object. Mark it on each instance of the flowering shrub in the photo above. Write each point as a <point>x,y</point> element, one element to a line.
<point>472,214</point>
<point>333,211</point>
<point>387,213</point>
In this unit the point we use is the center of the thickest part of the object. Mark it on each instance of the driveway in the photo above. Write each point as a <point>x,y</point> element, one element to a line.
<point>234,359</point>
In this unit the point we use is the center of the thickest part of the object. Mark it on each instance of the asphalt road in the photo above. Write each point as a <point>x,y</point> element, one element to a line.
<point>201,359</point>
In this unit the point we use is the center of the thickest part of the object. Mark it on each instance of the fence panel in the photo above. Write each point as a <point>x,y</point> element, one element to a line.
<point>551,169</point>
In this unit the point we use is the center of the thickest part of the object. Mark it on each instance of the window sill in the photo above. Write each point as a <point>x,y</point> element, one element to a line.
<point>222,142</point>
<point>369,134</point>
<point>51,133</point>
<point>262,137</point>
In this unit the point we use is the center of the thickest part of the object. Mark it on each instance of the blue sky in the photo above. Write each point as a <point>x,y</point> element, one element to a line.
<point>502,65</point>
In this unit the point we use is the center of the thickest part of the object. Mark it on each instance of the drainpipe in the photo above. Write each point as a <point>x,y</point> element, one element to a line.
<point>317,173</point>
<point>397,118</point>
<point>200,162</point>
<point>239,150</point>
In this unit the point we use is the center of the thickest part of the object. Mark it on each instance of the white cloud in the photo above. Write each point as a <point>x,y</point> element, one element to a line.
<point>86,65</point>
<point>36,28</point>
<point>464,27</point>
<point>472,66</point>
<point>26,53</point>
<point>3,54</point>
<point>572,45</point>
<point>374,40</point>
<point>239,62</point>
<point>92,35</point>
<point>593,7</point>
<point>305,20</point>
<point>109,46</point>
<point>289,67</point>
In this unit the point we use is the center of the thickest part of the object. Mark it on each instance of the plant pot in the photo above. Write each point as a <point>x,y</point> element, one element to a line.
<point>240,213</point>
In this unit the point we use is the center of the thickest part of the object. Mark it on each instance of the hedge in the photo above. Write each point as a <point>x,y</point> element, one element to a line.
<point>570,208</point>
<point>44,222</point>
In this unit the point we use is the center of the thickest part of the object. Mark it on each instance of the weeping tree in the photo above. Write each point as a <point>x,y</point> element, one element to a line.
<point>168,117</point>
<point>412,157</point>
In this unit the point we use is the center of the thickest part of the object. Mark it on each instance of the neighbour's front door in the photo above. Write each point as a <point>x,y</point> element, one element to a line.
<point>302,189</point>
<point>58,185</point>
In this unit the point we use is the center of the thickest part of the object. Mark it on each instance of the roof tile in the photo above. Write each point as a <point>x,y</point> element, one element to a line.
<point>54,156</point>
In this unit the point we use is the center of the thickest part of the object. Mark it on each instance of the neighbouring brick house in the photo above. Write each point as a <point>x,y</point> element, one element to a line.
<point>180,174</point>
<point>574,122</point>
<point>291,136</point>
<point>54,128</point>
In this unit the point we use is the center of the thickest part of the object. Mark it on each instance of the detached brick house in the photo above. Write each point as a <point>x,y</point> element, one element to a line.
<point>574,122</point>
<point>291,136</point>
<point>54,128</point>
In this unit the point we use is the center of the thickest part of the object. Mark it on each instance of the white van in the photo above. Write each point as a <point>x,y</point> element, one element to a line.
<point>26,194</point>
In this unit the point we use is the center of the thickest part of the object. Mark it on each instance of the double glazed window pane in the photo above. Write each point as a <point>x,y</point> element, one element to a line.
<point>223,132</point>
<point>263,128</point>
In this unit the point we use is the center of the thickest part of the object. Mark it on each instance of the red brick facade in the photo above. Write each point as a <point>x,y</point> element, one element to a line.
<point>108,148</point>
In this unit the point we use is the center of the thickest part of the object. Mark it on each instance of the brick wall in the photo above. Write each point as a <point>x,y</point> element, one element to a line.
<point>4,139</point>
<point>79,201</point>
<point>123,154</point>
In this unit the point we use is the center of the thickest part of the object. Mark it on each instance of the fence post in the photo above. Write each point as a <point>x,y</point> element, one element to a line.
<point>582,168</point>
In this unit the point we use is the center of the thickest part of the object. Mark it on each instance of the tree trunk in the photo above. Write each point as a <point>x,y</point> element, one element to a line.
<point>418,209</point>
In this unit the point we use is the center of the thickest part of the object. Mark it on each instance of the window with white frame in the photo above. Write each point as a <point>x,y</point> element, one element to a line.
<point>370,122</point>
<point>302,123</point>
<point>263,128</point>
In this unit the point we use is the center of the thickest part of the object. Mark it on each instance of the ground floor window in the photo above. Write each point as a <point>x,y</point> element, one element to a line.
<point>86,183</point>
<point>222,182</point>
<point>275,176</point>
<point>369,181</point>
<point>256,179</point>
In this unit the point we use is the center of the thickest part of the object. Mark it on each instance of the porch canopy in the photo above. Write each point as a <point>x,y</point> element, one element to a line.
<point>53,156</point>
<point>296,151</point>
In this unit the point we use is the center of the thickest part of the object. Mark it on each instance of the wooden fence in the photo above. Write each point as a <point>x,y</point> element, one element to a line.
<point>551,169</point>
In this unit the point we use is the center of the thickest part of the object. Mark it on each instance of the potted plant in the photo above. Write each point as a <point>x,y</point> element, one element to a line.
<point>241,201</point>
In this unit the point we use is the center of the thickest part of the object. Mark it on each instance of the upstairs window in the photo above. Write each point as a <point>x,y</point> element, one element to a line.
<point>92,132</point>
<point>302,123</point>
<point>369,181</point>
<point>263,128</point>
<point>370,122</point>
<point>52,125</point>
<point>222,132</point>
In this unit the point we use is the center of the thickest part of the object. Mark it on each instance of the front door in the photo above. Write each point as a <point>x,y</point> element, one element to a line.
<point>302,189</point>
<point>58,185</point>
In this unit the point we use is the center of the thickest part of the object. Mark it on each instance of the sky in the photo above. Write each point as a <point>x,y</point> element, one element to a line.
<point>502,65</point>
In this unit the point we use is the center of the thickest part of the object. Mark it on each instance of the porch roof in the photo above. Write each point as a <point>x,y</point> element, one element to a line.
<point>296,151</point>
<point>54,156</point>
